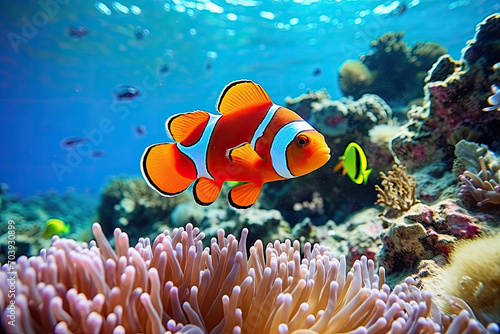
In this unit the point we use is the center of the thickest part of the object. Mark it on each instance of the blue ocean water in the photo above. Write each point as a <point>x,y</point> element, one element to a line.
<point>56,85</point>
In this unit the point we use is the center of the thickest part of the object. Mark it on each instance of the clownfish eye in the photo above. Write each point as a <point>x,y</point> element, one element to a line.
<point>302,141</point>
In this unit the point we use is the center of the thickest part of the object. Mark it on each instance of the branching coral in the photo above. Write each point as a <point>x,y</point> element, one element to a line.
<point>483,187</point>
<point>399,189</point>
<point>172,285</point>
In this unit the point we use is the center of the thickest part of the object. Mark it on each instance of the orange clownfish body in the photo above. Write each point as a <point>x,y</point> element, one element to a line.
<point>253,141</point>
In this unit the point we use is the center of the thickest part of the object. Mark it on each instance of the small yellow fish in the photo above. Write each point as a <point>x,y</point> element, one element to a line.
<point>353,163</point>
<point>54,226</point>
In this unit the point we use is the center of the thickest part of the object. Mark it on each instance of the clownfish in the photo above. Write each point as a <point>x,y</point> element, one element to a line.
<point>253,141</point>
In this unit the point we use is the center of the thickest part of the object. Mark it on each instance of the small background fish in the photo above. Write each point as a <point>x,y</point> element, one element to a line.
<point>55,226</point>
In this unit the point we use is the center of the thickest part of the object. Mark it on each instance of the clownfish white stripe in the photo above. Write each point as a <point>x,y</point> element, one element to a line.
<point>281,140</point>
<point>263,125</point>
<point>198,151</point>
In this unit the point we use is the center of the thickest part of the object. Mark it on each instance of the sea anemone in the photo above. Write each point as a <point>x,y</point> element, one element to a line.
<point>173,285</point>
<point>484,186</point>
<point>474,276</point>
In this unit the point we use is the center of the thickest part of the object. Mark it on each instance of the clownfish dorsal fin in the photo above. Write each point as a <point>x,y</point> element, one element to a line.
<point>242,94</point>
<point>244,155</point>
<point>187,128</point>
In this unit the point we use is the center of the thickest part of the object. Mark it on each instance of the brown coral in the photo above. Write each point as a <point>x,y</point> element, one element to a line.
<point>396,70</point>
<point>426,233</point>
<point>354,76</point>
<point>399,189</point>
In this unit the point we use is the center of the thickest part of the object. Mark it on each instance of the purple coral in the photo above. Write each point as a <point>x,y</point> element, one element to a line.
<point>455,95</point>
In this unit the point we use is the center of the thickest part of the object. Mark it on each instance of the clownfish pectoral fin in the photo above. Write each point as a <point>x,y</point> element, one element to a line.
<point>244,155</point>
<point>187,128</point>
<point>242,94</point>
<point>166,169</point>
<point>205,191</point>
<point>244,196</point>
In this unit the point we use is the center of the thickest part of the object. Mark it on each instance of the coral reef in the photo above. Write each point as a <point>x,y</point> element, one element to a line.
<point>30,214</point>
<point>453,103</point>
<point>392,70</point>
<point>302,104</point>
<point>399,189</point>
<point>173,285</point>
<point>341,122</point>
<point>428,233</point>
<point>334,118</point>
<point>435,183</point>
<point>357,236</point>
<point>267,225</point>
<point>381,134</point>
<point>354,76</point>
<point>130,203</point>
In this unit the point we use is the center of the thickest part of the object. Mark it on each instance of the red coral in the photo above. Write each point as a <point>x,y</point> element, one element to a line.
<point>461,226</point>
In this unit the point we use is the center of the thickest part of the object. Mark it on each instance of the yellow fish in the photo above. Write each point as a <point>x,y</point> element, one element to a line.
<point>54,226</point>
<point>353,163</point>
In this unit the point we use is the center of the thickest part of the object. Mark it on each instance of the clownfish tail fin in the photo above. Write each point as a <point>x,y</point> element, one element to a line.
<point>166,169</point>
